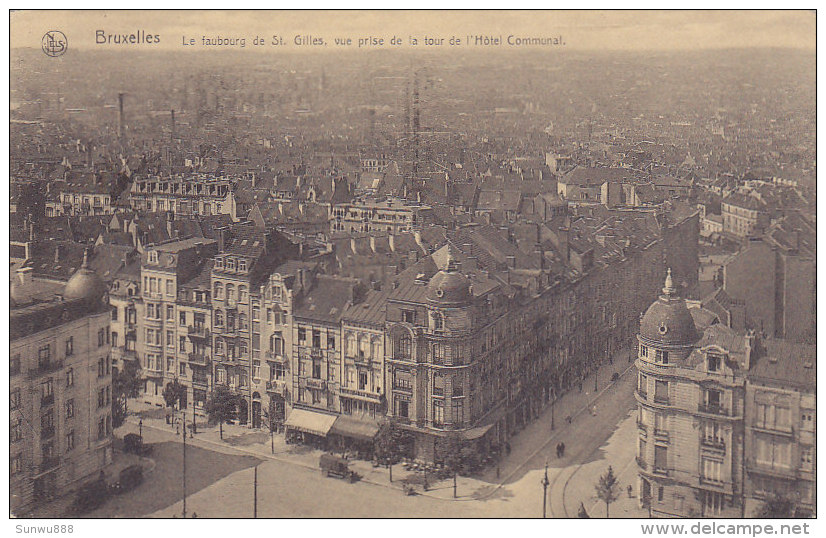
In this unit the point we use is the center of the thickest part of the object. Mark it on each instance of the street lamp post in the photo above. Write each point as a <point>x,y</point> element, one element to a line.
<point>183,433</point>
<point>596,372</point>
<point>255,494</point>
<point>553,401</point>
<point>140,428</point>
<point>272,437</point>
<point>545,484</point>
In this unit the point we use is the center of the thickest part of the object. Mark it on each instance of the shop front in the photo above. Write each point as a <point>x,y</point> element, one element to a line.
<point>354,435</point>
<point>308,427</point>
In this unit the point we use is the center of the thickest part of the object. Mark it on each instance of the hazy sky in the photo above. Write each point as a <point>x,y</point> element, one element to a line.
<point>626,30</point>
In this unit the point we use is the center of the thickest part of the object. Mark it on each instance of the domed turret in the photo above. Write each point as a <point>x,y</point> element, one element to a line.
<point>449,286</point>
<point>667,321</point>
<point>85,284</point>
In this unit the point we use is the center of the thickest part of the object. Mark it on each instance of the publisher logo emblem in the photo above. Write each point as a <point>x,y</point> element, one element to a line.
<point>54,43</point>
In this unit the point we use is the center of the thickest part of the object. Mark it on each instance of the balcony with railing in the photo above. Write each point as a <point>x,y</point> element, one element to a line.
<point>713,409</point>
<point>403,385</point>
<point>198,331</point>
<point>660,435</point>
<point>714,443</point>
<point>198,358</point>
<point>199,378</point>
<point>278,386</point>
<point>275,357</point>
<point>641,463</point>
<point>45,368</point>
<point>661,399</point>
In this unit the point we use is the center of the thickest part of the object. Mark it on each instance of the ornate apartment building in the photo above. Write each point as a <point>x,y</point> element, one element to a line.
<point>165,346</point>
<point>720,423</point>
<point>393,216</point>
<point>241,271</point>
<point>781,419</point>
<point>60,386</point>
<point>198,195</point>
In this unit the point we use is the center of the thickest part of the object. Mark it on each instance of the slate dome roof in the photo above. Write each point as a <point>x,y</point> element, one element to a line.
<point>667,321</point>
<point>449,286</point>
<point>85,284</point>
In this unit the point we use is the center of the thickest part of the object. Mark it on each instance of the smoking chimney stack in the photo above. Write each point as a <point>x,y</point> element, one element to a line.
<point>120,114</point>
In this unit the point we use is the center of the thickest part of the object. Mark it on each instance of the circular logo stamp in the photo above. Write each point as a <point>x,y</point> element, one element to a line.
<point>54,43</point>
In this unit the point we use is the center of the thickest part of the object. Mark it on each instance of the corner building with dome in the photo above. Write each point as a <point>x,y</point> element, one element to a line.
<point>60,378</point>
<point>690,404</point>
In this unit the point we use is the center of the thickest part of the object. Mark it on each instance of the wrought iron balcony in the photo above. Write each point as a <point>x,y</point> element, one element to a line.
<point>198,330</point>
<point>712,409</point>
<point>45,368</point>
<point>712,442</point>
<point>198,358</point>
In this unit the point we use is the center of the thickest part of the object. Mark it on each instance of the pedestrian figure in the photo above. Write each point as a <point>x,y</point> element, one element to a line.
<point>630,491</point>
<point>580,386</point>
<point>594,411</point>
<point>558,450</point>
<point>562,449</point>
<point>507,448</point>
<point>195,514</point>
<point>568,419</point>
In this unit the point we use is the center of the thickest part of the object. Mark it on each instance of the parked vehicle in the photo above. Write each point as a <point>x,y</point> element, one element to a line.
<point>133,443</point>
<point>129,478</point>
<point>335,466</point>
<point>90,496</point>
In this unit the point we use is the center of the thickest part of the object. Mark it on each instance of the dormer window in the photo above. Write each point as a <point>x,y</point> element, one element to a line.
<point>661,357</point>
<point>219,263</point>
<point>242,265</point>
<point>714,362</point>
<point>152,256</point>
<point>230,264</point>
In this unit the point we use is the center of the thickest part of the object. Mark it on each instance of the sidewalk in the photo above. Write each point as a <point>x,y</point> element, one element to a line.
<point>525,445</point>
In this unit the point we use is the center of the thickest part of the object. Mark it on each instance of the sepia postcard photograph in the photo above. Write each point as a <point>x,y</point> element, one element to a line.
<point>413,264</point>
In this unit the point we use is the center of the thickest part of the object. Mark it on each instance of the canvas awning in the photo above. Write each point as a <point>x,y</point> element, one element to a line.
<point>355,428</point>
<point>310,422</point>
<point>475,433</point>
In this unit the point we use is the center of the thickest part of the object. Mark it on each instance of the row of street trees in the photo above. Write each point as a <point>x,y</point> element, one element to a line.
<point>127,382</point>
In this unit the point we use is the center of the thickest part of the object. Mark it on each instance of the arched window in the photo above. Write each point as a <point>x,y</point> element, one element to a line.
<point>219,290</point>
<point>230,292</point>
<point>242,321</point>
<point>219,318</point>
<point>352,351</point>
<point>364,347</point>
<point>378,350</point>
<point>219,345</point>
<point>404,347</point>
<point>242,294</point>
